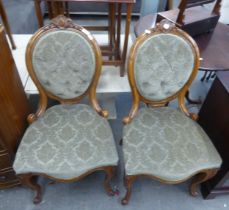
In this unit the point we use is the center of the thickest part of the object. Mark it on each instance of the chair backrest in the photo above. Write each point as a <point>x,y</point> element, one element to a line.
<point>64,60</point>
<point>162,64</point>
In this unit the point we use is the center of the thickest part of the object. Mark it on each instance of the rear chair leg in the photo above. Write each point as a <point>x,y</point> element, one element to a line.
<point>110,171</point>
<point>128,184</point>
<point>199,178</point>
<point>29,180</point>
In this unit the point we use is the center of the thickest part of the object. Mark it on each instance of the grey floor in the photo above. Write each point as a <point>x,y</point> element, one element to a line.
<point>88,193</point>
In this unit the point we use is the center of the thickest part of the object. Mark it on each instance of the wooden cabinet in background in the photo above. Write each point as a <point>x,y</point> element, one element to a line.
<point>14,109</point>
<point>214,119</point>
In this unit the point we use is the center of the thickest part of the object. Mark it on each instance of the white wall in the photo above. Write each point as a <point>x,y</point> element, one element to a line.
<point>149,7</point>
<point>225,12</point>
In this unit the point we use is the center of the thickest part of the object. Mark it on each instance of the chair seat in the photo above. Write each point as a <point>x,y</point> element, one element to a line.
<point>66,142</point>
<point>166,144</point>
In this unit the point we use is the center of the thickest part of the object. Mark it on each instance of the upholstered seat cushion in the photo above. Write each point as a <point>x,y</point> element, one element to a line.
<point>163,142</point>
<point>67,141</point>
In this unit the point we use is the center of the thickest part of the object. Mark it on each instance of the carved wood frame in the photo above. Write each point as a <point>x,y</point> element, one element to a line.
<point>164,27</point>
<point>63,23</point>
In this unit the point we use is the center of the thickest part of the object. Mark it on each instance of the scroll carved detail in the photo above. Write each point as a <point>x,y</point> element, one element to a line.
<point>62,22</point>
<point>164,26</point>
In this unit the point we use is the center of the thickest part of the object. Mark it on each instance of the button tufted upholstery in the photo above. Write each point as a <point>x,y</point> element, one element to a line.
<point>67,141</point>
<point>64,63</point>
<point>159,72</point>
<point>163,142</point>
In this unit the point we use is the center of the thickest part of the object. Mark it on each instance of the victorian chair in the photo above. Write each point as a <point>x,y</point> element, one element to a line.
<point>161,142</point>
<point>68,141</point>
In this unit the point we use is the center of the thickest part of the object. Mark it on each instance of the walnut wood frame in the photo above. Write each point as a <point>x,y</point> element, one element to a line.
<point>164,27</point>
<point>63,23</point>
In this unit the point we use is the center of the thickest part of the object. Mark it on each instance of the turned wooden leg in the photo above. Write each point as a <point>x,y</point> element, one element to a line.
<point>29,180</point>
<point>118,34</point>
<point>110,171</point>
<point>128,184</point>
<point>199,178</point>
<point>127,30</point>
<point>39,14</point>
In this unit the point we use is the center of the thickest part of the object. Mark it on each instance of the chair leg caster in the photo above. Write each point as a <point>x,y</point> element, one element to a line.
<point>193,191</point>
<point>37,199</point>
<point>110,192</point>
<point>124,201</point>
<point>128,181</point>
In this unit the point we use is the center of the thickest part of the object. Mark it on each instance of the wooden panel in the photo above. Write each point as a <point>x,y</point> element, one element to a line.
<point>214,119</point>
<point>5,161</point>
<point>14,106</point>
<point>8,177</point>
<point>14,109</point>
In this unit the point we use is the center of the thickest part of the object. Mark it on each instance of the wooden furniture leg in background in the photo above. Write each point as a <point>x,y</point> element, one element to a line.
<point>111,30</point>
<point>117,43</point>
<point>127,30</point>
<point>40,19</point>
<point>6,24</point>
<point>58,8</point>
<point>49,6</point>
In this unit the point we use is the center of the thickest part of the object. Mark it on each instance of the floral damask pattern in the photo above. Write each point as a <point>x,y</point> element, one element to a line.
<point>64,63</point>
<point>159,72</point>
<point>67,141</point>
<point>163,142</point>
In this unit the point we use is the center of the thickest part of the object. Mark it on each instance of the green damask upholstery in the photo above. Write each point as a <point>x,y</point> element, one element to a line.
<point>163,142</point>
<point>163,64</point>
<point>67,141</point>
<point>64,63</point>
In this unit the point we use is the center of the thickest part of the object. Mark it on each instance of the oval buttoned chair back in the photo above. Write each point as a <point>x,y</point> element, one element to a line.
<point>162,65</point>
<point>63,60</point>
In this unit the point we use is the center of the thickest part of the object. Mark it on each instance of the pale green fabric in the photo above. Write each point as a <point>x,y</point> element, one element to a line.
<point>67,141</point>
<point>64,63</point>
<point>163,64</point>
<point>163,142</point>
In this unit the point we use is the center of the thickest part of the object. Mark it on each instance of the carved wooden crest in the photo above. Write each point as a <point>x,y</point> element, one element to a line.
<point>62,22</point>
<point>164,26</point>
